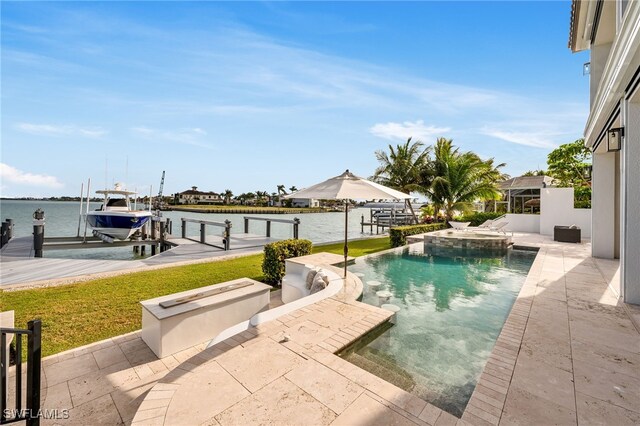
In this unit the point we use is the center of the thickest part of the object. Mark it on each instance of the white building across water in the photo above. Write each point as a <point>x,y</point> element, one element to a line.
<point>611,31</point>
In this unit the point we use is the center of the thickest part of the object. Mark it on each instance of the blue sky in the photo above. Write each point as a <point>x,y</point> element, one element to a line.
<point>248,95</point>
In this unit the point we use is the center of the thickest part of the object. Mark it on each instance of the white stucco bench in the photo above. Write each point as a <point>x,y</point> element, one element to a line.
<point>179,321</point>
<point>294,283</point>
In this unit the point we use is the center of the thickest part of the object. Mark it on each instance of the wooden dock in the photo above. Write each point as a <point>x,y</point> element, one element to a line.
<point>19,267</point>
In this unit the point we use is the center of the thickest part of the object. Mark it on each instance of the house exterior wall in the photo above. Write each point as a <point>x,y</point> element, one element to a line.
<point>304,202</point>
<point>199,198</point>
<point>523,222</point>
<point>630,205</point>
<point>599,55</point>
<point>556,208</point>
<point>603,205</point>
<point>614,103</point>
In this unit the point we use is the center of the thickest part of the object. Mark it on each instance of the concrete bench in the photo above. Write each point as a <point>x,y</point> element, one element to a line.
<point>179,321</point>
<point>294,283</point>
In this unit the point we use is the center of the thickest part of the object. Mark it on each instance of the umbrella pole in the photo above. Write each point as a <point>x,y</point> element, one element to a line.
<point>346,228</point>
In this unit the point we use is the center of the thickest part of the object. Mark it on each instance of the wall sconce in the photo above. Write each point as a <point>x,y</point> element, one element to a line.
<point>614,139</point>
<point>588,172</point>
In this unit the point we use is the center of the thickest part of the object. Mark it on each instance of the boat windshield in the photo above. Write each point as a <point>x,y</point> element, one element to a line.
<point>117,202</point>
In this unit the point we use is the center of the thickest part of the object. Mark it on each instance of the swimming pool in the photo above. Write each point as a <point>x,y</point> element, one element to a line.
<point>452,309</point>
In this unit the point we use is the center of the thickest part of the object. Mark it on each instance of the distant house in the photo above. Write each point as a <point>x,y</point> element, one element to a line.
<point>522,194</point>
<point>193,196</point>
<point>304,202</point>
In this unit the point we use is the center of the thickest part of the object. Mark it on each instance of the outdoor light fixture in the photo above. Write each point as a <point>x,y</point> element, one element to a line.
<point>614,139</point>
<point>588,172</point>
<point>586,68</point>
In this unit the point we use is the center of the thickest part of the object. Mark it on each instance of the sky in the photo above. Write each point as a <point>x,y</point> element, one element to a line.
<point>250,95</point>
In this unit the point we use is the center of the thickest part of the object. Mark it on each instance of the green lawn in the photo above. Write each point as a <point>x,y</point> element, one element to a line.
<point>78,314</point>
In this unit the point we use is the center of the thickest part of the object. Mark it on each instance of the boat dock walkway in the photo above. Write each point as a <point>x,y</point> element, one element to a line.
<point>19,267</point>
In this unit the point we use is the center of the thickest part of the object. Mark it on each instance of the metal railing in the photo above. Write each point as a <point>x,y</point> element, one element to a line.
<point>226,236</point>
<point>295,222</point>
<point>32,412</point>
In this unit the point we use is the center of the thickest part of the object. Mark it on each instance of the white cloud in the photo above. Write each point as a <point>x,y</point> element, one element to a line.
<point>190,136</point>
<point>13,175</point>
<point>533,139</point>
<point>407,129</point>
<point>61,130</point>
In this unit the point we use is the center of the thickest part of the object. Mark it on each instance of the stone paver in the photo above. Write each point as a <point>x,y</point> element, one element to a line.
<point>367,411</point>
<point>325,385</point>
<point>279,403</point>
<point>259,364</point>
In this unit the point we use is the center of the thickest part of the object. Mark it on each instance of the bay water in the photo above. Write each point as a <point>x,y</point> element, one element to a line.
<point>61,220</point>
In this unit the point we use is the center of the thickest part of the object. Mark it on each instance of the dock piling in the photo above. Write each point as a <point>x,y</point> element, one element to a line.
<point>4,236</point>
<point>9,229</point>
<point>296,226</point>
<point>163,236</point>
<point>38,239</point>
<point>227,234</point>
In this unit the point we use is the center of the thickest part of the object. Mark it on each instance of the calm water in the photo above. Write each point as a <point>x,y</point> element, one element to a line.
<point>62,220</point>
<point>451,312</point>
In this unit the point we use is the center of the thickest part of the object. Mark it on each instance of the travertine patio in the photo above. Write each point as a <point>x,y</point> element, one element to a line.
<point>568,354</point>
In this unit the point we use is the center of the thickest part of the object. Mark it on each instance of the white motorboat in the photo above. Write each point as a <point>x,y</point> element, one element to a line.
<point>115,218</point>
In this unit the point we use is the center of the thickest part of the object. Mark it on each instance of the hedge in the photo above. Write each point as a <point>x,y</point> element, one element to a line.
<point>478,218</point>
<point>273,264</point>
<point>398,234</point>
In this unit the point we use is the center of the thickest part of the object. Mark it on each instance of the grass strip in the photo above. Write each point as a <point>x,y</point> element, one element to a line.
<point>78,314</point>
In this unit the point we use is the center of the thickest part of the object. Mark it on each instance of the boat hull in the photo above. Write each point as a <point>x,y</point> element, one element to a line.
<point>119,225</point>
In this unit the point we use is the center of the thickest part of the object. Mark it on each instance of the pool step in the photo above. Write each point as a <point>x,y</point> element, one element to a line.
<point>382,367</point>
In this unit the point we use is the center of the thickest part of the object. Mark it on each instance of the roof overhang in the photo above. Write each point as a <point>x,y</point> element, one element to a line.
<point>584,16</point>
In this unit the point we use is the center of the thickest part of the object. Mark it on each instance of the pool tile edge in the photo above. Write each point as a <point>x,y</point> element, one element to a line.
<point>486,405</point>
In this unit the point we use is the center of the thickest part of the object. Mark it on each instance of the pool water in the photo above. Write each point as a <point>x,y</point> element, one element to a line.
<point>452,309</point>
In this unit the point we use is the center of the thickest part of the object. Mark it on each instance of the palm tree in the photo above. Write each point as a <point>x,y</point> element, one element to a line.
<point>454,179</point>
<point>293,189</point>
<point>281,190</point>
<point>261,195</point>
<point>227,196</point>
<point>400,168</point>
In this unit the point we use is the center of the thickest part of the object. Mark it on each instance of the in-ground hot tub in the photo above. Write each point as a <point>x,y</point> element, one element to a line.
<point>442,242</point>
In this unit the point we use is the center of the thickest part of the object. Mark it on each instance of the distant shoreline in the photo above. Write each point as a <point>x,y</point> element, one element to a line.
<point>247,209</point>
<point>69,199</point>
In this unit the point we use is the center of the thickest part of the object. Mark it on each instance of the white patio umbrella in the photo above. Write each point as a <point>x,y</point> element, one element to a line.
<point>345,187</point>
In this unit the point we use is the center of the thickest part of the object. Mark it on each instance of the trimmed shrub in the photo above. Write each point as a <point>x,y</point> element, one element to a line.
<point>398,234</point>
<point>478,218</point>
<point>273,264</point>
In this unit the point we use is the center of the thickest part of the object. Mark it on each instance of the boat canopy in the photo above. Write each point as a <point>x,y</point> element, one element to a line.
<point>115,191</point>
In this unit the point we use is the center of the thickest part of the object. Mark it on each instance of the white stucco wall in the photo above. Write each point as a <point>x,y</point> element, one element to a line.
<point>523,223</point>
<point>603,205</point>
<point>556,208</point>
<point>630,253</point>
